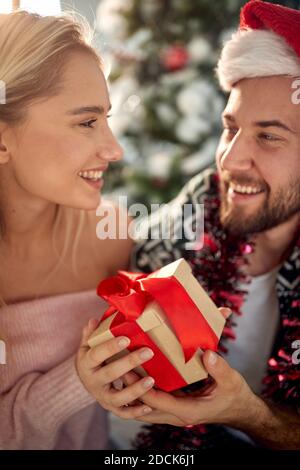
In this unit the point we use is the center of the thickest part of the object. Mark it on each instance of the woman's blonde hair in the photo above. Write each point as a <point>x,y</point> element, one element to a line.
<point>33,53</point>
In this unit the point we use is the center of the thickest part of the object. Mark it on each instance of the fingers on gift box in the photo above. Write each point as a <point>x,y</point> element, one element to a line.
<point>167,311</point>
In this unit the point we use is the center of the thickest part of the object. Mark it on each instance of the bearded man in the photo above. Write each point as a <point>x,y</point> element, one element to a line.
<point>250,259</point>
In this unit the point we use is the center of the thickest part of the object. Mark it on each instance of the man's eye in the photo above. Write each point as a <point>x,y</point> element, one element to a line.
<point>268,137</point>
<point>88,123</point>
<point>230,130</point>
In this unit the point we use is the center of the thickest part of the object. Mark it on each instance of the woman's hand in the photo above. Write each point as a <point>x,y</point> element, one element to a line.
<point>98,377</point>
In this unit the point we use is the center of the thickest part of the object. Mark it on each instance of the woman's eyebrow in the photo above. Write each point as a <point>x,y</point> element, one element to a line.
<point>88,109</point>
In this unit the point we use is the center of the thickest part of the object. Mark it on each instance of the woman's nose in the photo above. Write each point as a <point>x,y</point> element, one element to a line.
<point>110,149</point>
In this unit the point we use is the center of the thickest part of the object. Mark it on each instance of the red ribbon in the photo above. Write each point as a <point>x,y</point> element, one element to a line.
<point>129,293</point>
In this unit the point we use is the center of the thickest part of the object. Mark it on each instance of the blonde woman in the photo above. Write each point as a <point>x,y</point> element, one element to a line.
<point>55,145</point>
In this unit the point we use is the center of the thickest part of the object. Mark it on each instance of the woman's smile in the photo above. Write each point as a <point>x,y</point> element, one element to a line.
<point>93,177</point>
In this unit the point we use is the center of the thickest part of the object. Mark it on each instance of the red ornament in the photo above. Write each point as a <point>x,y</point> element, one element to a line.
<point>175,58</point>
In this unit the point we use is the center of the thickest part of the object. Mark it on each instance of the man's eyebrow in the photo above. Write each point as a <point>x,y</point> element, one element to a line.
<point>274,123</point>
<point>263,124</point>
<point>228,117</point>
<point>88,109</point>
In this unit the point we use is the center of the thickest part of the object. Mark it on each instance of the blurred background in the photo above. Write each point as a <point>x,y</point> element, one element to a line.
<point>159,56</point>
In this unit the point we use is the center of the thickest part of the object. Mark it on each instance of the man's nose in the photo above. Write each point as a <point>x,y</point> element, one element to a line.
<point>237,155</point>
<point>109,148</point>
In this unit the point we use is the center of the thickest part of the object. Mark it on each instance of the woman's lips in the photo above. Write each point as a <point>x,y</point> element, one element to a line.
<point>95,184</point>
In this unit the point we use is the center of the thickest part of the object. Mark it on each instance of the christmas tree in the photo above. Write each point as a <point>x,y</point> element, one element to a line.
<point>166,101</point>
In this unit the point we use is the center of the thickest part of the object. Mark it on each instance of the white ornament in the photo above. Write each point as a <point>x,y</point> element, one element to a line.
<point>199,50</point>
<point>202,159</point>
<point>189,101</point>
<point>190,129</point>
<point>195,98</point>
<point>159,156</point>
<point>166,114</point>
<point>134,45</point>
<point>159,165</point>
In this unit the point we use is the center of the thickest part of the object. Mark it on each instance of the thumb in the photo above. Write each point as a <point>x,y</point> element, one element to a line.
<point>88,330</point>
<point>217,367</point>
<point>225,311</point>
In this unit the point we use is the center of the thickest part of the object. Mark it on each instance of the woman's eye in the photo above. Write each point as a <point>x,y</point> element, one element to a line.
<point>88,123</point>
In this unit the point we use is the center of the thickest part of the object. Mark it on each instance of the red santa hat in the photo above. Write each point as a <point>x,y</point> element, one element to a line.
<point>267,43</point>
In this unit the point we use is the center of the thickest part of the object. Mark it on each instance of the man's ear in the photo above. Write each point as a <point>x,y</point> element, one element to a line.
<point>4,152</point>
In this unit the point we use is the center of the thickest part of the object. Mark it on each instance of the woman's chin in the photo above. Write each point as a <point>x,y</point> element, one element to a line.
<point>93,206</point>
<point>87,204</point>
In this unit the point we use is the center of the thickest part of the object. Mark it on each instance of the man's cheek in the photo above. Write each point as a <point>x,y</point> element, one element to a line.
<point>218,160</point>
<point>221,149</point>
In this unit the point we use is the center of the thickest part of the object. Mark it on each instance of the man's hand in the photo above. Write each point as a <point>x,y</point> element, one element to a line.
<point>229,400</point>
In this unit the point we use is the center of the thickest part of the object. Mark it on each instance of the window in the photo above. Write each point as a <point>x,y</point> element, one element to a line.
<point>46,7</point>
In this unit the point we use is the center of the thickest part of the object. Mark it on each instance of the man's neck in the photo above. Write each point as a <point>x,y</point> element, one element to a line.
<point>272,247</point>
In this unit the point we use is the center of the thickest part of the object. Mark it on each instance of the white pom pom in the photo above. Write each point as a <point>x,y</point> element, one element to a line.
<point>255,53</point>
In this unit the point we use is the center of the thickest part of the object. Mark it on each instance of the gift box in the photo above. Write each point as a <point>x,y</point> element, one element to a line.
<point>167,311</point>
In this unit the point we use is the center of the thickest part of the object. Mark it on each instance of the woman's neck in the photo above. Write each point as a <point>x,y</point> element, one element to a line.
<point>26,225</point>
<point>27,220</point>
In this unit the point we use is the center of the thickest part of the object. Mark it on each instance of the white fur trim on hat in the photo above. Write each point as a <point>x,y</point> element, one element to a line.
<point>255,53</point>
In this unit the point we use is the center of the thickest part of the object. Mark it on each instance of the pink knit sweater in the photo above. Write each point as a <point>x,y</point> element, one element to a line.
<point>43,404</point>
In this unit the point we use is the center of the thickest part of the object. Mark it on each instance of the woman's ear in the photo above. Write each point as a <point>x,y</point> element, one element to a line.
<point>4,152</point>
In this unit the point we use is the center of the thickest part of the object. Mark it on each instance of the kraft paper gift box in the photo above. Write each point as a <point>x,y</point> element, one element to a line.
<point>167,311</point>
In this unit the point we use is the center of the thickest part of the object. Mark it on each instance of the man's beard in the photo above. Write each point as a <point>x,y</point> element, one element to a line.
<point>275,210</point>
